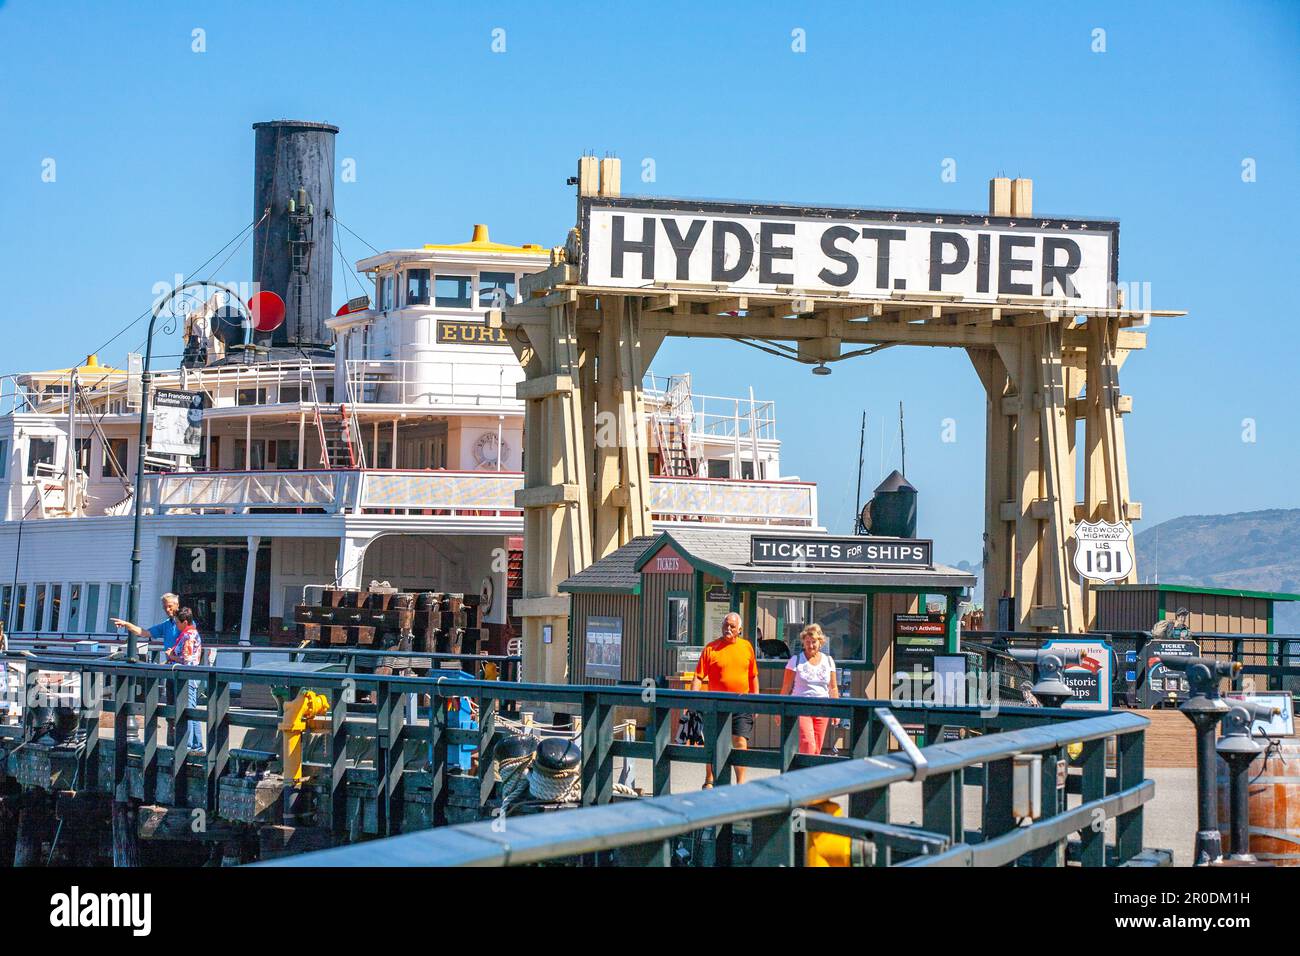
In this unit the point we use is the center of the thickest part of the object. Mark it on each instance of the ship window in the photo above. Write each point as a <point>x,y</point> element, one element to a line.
<point>115,592</point>
<point>40,451</point>
<point>286,454</point>
<point>37,622</point>
<point>496,290</point>
<point>83,455</point>
<point>719,467</point>
<point>417,286</point>
<point>6,603</point>
<point>4,470</point>
<point>56,605</point>
<point>74,608</point>
<point>250,396</point>
<point>453,292</point>
<point>90,619</point>
<point>20,608</point>
<point>114,465</point>
<point>384,289</point>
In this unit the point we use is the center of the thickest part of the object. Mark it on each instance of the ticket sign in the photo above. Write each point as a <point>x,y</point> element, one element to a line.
<point>852,552</point>
<point>666,561</point>
<point>1161,682</point>
<point>1091,678</point>
<point>864,253</point>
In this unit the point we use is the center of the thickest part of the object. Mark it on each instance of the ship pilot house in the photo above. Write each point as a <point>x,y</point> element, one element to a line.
<point>647,609</point>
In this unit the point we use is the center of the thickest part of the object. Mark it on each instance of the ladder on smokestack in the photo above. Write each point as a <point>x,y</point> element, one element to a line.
<point>339,434</point>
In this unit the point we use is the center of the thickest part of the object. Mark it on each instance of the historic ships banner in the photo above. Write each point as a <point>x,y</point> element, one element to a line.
<point>641,243</point>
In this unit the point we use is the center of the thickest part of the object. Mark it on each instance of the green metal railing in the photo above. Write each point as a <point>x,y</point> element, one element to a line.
<point>397,745</point>
<point>642,832</point>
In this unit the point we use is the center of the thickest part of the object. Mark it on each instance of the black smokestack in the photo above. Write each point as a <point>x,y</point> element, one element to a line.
<point>293,176</point>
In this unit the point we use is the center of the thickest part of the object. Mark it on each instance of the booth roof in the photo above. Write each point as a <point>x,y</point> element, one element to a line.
<point>726,554</point>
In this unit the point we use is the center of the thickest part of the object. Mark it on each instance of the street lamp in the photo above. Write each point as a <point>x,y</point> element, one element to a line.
<point>133,598</point>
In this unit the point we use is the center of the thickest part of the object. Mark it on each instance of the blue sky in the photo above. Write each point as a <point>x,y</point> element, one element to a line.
<point>153,146</point>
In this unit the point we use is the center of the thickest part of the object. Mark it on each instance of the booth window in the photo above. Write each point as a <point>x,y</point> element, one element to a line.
<point>678,617</point>
<point>496,290</point>
<point>453,292</point>
<point>417,286</point>
<point>782,616</point>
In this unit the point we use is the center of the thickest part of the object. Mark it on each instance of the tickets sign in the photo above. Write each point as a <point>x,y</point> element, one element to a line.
<point>745,248</point>
<point>1091,678</point>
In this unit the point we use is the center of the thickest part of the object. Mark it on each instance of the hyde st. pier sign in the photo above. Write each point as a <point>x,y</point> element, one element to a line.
<point>637,243</point>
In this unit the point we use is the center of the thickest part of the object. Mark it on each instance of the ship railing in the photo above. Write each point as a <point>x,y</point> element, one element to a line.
<point>242,491</point>
<point>733,501</point>
<point>411,382</point>
<point>713,417</point>
<point>489,494</point>
<point>997,754</point>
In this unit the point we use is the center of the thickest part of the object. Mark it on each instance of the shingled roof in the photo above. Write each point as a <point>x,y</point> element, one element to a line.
<point>727,554</point>
<point>615,573</point>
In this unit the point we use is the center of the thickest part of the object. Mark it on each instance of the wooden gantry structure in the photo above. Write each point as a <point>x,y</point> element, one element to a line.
<point>1045,365</point>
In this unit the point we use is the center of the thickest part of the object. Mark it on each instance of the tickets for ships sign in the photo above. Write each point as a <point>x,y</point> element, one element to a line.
<point>791,250</point>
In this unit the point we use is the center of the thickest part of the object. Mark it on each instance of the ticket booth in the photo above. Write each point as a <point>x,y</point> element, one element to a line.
<point>648,609</point>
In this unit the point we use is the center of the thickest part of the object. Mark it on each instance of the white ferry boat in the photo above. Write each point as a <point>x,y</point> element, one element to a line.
<point>379,443</point>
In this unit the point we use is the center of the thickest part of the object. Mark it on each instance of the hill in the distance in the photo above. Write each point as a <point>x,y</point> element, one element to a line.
<point>1251,550</point>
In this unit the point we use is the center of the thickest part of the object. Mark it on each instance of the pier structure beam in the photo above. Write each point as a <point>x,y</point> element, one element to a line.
<point>586,467</point>
<point>1044,364</point>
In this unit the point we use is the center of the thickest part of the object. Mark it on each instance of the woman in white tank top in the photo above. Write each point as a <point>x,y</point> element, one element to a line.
<point>811,674</point>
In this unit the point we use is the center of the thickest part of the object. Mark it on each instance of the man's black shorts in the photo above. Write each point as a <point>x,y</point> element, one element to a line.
<point>742,725</point>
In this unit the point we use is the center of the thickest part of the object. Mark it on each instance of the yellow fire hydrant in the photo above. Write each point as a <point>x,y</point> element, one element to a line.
<point>294,722</point>
<point>828,849</point>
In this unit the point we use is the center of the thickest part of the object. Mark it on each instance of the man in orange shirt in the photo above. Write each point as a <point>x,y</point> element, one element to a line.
<point>730,666</point>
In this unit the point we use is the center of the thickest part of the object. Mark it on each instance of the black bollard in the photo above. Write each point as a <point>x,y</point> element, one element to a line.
<point>1239,749</point>
<point>1204,708</point>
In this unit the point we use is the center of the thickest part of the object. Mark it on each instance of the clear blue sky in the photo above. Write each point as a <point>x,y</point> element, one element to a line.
<point>153,148</point>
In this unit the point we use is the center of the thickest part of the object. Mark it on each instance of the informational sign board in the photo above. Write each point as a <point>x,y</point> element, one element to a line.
<point>717,605</point>
<point>456,332</point>
<point>1090,679</point>
<point>604,647</point>
<point>850,552</point>
<point>177,423</point>
<point>1103,551</point>
<point>1161,682</point>
<point>746,248</point>
<point>921,633</point>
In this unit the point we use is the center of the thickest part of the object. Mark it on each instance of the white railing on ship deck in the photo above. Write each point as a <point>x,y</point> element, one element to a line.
<point>466,494</point>
<point>712,416</point>
<point>405,382</point>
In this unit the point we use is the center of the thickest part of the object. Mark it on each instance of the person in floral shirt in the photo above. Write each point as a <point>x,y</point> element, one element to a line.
<point>188,651</point>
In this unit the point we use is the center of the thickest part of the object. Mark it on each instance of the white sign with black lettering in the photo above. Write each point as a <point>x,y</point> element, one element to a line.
<point>177,423</point>
<point>864,253</point>
<point>1103,551</point>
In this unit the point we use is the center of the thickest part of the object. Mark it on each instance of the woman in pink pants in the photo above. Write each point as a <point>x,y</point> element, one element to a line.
<point>811,674</point>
